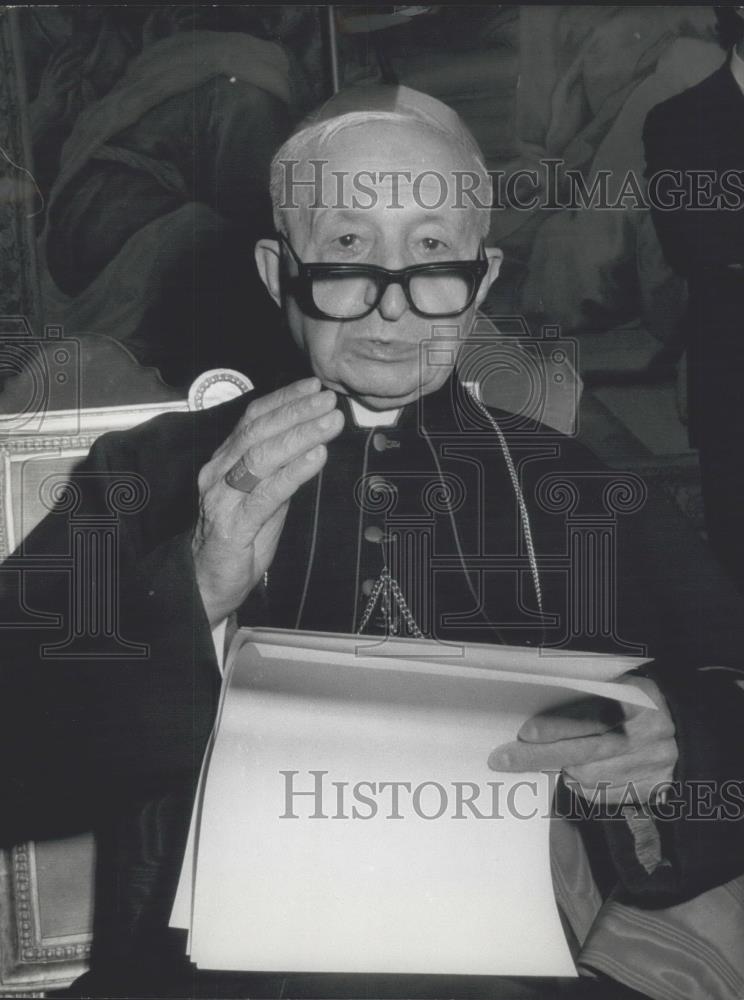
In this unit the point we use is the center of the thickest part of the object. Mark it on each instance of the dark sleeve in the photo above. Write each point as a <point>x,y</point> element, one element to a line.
<point>666,161</point>
<point>694,183</point>
<point>694,620</point>
<point>674,599</point>
<point>694,617</point>
<point>700,827</point>
<point>114,694</point>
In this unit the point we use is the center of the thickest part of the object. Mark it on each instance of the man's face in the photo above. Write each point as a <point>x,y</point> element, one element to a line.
<point>384,360</point>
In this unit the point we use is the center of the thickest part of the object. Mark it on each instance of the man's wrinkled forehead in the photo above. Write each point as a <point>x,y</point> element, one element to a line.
<point>371,167</point>
<point>381,144</point>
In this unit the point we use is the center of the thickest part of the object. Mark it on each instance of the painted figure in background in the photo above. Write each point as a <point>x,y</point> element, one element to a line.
<point>162,183</point>
<point>73,58</point>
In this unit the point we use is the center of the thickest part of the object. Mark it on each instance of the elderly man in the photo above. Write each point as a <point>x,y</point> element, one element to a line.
<point>378,495</point>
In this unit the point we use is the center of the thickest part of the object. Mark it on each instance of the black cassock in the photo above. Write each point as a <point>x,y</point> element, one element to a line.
<point>114,738</point>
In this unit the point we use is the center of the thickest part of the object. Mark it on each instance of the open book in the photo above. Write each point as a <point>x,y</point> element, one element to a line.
<point>346,819</point>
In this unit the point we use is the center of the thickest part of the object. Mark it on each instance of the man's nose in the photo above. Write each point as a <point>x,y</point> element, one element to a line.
<point>393,303</point>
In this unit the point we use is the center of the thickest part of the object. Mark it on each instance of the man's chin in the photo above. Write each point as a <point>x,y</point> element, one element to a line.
<point>389,390</point>
<point>388,398</point>
<point>373,402</point>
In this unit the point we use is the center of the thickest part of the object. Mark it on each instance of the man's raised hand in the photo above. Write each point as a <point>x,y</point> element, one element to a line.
<point>281,438</point>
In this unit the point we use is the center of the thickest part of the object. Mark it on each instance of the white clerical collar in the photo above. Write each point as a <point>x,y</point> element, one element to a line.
<point>737,68</point>
<point>372,418</point>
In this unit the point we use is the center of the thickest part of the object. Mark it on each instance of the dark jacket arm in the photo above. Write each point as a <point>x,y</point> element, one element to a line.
<point>700,824</point>
<point>90,717</point>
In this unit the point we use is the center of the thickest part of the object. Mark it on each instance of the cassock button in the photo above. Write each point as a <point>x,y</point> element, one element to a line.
<point>381,441</point>
<point>378,483</point>
<point>368,586</point>
<point>374,534</point>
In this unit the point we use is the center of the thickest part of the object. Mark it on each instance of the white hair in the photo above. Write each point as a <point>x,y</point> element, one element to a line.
<point>311,138</point>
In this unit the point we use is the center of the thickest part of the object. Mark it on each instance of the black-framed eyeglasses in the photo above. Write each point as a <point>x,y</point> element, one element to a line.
<point>437,290</point>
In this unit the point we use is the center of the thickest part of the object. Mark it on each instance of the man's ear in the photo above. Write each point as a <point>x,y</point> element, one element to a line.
<point>494,256</point>
<point>268,257</point>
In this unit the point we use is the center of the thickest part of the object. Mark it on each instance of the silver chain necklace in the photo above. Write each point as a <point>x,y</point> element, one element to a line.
<point>386,587</point>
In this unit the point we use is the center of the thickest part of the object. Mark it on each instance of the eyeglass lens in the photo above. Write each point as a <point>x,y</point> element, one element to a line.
<point>352,295</point>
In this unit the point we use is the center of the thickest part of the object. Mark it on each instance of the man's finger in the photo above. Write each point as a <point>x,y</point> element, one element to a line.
<point>587,717</point>
<point>270,425</point>
<point>654,757</point>
<point>257,507</point>
<point>522,756</point>
<point>253,430</point>
<point>280,397</point>
<point>628,777</point>
<point>266,458</point>
<point>283,418</point>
